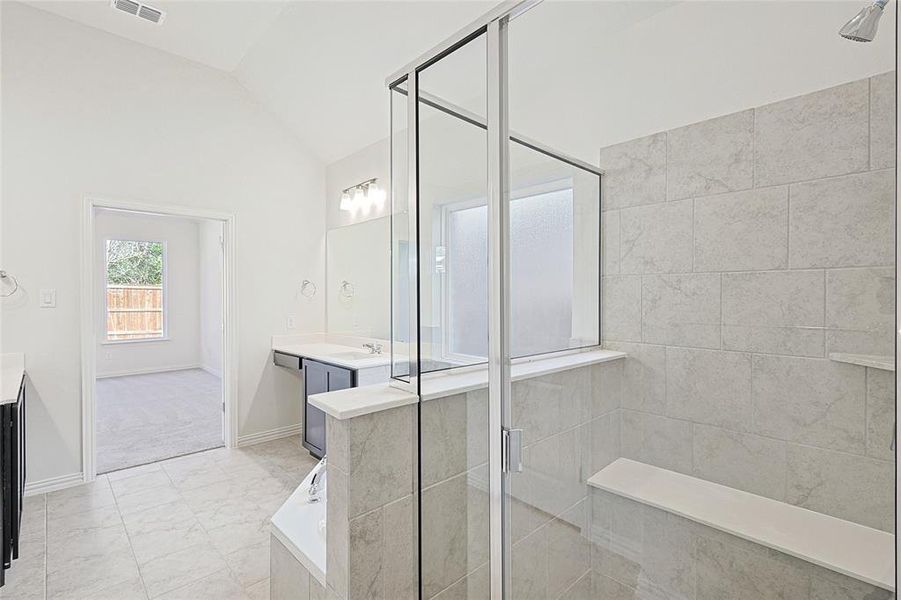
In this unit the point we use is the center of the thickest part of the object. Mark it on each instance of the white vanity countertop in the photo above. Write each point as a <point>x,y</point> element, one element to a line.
<point>334,354</point>
<point>13,369</point>
<point>355,402</point>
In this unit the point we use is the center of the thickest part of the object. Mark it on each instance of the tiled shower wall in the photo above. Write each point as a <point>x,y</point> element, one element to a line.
<point>739,253</point>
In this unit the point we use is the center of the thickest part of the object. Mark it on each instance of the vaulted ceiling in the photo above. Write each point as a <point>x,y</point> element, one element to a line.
<point>583,74</point>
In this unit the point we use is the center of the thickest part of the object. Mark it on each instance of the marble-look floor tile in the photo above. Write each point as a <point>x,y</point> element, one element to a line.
<point>83,522</point>
<point>147,498</point>
<point>217,586</point>
<point>162,530</point>
<point>175,570</point>
<point>196,470</point>
<point>95,494</point>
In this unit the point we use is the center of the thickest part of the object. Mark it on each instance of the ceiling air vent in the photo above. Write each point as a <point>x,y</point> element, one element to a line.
<point>143,11</point>
<point>151,14</point>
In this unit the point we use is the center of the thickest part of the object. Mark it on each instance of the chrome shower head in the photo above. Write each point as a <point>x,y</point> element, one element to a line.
<point>862,28</point>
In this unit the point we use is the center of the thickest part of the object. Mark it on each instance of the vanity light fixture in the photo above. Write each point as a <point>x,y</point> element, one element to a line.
<point>362,197</point>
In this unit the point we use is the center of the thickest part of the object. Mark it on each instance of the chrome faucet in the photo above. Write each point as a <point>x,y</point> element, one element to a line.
<point>373,348</point>
<point>316,481</point>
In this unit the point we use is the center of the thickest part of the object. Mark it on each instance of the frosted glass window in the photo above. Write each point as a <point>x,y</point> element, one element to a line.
<point>541,254</point>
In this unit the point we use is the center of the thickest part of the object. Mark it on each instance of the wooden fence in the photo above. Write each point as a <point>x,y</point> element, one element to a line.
<point>134,312</point>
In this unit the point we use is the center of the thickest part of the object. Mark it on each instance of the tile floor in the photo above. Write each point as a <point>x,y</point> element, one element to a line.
<point>151,417</point>
<point>188,528</point>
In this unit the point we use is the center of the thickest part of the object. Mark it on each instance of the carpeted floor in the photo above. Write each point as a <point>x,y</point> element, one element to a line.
<point>146,418</point>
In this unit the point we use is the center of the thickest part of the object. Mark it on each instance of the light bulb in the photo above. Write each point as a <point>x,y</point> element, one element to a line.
<point>377,195</point>
<point>346,203</point>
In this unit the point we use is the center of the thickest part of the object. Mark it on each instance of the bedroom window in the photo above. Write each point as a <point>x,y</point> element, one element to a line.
<point>135,290</point>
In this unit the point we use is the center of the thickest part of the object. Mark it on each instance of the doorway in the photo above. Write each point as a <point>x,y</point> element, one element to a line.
<point>156,313</point>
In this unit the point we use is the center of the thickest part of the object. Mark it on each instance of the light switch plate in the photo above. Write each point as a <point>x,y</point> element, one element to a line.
<point>47,298</point>
<point>292,322</point>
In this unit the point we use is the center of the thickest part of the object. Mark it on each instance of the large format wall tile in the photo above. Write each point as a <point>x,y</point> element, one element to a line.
<point>605,443</point>
<point>776,312</point>
<point>710,157</point>
<point>288,578</point>
<point>382,556</point>
<point>683,310</point>
<point>634,172</point>
<point>742,231</point>
<point>861,299</point>
<point>644,377</point>
<point>880,413</point>
<point>529,563</point>
<point>658,441</point>
<point>546,405</point>
<point>645,548</point>
<point>740,460</point>
<point>621,308</point>
<point>809,401</point>
<point>732,571</point>
<point>656,239</point>
<point>709,386</point>
<point>822,134</point>
<point>444,536</point>
<point>381,469</point>
<point>610,240</point>
<point>882,121</point>
<point>843,222</point>
<point>569,555</point>
<point>442,448</point>
<point>606,387</point>
<point>855,488</point>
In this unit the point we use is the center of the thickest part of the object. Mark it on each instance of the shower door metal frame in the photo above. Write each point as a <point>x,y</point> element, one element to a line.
<point>494,26</point>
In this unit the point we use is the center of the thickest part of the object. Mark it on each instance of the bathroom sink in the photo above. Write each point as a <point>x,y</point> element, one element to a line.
<point>353,355</point>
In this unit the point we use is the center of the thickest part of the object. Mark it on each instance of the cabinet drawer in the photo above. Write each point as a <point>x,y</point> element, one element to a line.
<point>289,361</point>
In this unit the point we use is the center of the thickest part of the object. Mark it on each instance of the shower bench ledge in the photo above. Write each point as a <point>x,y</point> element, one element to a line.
<point>849,548</point>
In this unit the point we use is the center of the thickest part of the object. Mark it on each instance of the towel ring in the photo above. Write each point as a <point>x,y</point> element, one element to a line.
<point>347,290</point>
<point>307,288</point>
<point>15,283</point>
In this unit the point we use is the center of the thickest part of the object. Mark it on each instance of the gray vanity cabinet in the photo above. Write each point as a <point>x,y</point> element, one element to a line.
<point>318,378</point>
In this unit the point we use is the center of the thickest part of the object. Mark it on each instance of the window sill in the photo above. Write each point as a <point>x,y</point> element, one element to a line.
<point>140,341</point>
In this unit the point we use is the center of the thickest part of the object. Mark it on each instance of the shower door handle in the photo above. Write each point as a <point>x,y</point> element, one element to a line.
<point>512,450</point>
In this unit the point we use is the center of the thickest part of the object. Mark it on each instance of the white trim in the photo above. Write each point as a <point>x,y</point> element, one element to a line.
<point>53,484</point>
<point>88,316</point>
<point>270,435</point>
<point>149,371</point>
<point>135,341</point>
<point>211,370</point>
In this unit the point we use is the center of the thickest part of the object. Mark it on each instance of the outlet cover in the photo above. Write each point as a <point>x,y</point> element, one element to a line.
<point>292,322</point>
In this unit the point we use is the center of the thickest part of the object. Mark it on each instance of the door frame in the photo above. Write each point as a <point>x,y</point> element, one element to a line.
<point>87,312</point>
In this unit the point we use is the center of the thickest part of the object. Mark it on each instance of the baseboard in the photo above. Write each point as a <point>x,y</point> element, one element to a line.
<point>268,436</point>
<point>212,371</point>
<point>53,484</point>
<point>147,371</point>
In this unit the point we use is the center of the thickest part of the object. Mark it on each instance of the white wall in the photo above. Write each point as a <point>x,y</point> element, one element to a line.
<point>181,347</point>
<point>85,112</point>
<point>210,235</point>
